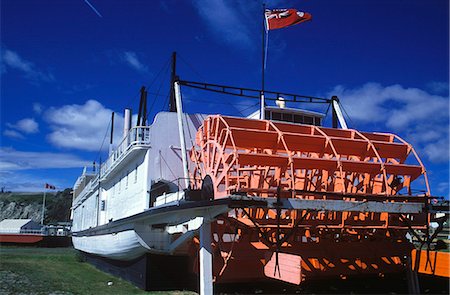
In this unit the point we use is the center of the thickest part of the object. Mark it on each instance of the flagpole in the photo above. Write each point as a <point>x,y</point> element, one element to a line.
<point>262,115</point>
<point>43,207</point>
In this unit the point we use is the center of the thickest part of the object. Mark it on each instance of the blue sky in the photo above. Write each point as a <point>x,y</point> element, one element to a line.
<point>66,66</point>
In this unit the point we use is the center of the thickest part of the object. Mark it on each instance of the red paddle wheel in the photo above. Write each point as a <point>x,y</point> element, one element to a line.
<point>259,158</point>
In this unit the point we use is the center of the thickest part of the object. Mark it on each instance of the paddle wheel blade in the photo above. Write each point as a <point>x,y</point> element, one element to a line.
<point>256,157</point>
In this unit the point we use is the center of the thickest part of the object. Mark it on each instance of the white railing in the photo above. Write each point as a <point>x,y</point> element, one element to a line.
<point>90,186</point>
<point>137,136</point>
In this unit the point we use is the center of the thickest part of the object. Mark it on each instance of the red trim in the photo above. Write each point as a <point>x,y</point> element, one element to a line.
<point>20,238</point>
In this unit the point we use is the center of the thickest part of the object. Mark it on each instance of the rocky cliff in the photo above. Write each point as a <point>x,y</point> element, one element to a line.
<point>29,206</point>
<point>13,210</point>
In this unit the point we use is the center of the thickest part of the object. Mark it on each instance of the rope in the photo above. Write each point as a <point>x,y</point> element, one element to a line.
<point>191,67</point>
<point>156,94</point>
<point>203,78</point>
<point>173,174</point>
<point>151,83</point>
<point>345,112</point>
<point>104,137</point>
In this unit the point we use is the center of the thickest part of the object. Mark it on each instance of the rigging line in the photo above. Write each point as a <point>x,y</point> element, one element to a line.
<point>192,148</point>
<point>168,166</point>
<point>191,67</point>
<point>149,85</point>
<point>224,103</point>
<point>328,108</point>
<point>190,138</point>
<point>192,143</point>
<point>202,77</point>
<point>211,102</point>
<point>165,67</point>
<point>236,109</point>
<point>249,107</point>
<point>227,102</point>
<point>189,130</point>
<point>326,113</point>
<point>166,102</point>
<point>350,119</point>
<point>104,137</point>
<point>157,94</point>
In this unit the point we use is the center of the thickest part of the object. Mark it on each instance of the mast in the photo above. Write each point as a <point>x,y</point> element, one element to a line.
<point>179,109</point>
<point>173,78</point>
<point>142,113</point>
<point>141,101</point>
<point>263,43</point>
<point>205,252</point>
<point>144,110</point>
<point>111,136</point>
<point>43,207</point>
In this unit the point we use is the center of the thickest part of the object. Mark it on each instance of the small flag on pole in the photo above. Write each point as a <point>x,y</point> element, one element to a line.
<point>282,18</point>
<point>49,186</point>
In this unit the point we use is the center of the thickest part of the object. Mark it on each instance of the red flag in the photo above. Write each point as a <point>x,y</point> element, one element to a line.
<point>282,18</point>
<point>49,186</point>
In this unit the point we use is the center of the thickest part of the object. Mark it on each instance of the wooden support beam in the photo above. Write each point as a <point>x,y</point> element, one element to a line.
<point>344,206</point>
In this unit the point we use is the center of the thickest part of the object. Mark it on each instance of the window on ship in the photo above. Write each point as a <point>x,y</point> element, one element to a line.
<point>285,116</point>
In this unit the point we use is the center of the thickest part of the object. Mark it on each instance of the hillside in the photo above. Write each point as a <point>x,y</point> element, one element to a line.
<point>29,205</point>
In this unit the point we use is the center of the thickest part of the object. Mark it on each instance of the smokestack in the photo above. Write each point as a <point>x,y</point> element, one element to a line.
<point>127,122</point>
<point>111,136</point>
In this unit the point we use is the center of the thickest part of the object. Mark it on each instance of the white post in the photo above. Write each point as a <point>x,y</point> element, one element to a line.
<point>261,111</point>
<point>126,122</point>
<point>206,281</point>
<point>181,133</point>
<point>43,208</point>
<point>127,126</point>
<point>341,119</point>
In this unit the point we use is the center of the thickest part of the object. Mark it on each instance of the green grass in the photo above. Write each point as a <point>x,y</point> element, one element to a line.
<point>57,271</point>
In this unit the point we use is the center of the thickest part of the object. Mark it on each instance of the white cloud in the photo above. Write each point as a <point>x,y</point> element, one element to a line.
<point>437,151</point>
<point>438,87</point>
<point>418,116</point>
<point>231,22</point>
<point>37,108</point>
<point>11,59</point>
<point>13,134</point>
<point>82,127</point>
<point>11,160</point>
<point>27,125</point>
<point>131,59</point>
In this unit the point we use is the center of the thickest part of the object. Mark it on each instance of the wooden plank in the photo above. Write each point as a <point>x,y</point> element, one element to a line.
<point>436,263</point>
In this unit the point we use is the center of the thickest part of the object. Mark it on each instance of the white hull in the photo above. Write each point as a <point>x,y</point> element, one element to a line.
<point>163,229</point>
<point>121,246</point>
